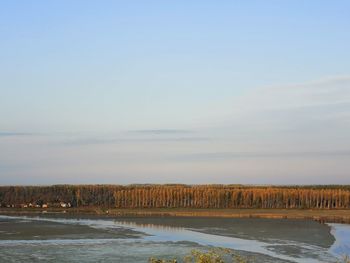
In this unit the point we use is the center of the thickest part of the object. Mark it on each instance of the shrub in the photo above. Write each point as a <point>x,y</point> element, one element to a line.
<point>218,255</point>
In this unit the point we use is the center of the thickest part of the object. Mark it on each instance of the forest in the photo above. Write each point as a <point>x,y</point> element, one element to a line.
<point>179,196</point>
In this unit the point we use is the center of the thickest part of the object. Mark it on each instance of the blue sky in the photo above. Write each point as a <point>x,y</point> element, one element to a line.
<point>153,91</point>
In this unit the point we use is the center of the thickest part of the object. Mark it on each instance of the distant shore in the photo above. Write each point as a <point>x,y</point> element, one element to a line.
<point>320,215</point>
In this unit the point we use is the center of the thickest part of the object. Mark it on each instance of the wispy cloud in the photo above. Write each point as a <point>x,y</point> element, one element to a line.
<point>101,140</point>
<point>159,131</point>
<point>138,136</point>
<point>7,134</point>
<point>292,106</point>
<point>214,156</point>
<point>292,133</point>
<point>331,90</point>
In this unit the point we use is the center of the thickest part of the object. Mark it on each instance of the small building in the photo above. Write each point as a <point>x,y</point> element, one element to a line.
<point>65,205</point>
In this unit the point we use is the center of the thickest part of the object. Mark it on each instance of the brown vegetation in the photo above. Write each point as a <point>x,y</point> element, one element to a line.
<point>217,255</point>
<point>181,196</point>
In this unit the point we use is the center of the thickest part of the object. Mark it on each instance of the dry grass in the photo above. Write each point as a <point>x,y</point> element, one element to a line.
<point>218,255</point>
<point>321,215</point>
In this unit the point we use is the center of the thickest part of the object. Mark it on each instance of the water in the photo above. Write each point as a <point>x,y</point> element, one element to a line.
<point>57,238</point>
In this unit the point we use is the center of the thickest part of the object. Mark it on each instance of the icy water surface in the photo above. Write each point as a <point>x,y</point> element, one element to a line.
<point>56,238</point>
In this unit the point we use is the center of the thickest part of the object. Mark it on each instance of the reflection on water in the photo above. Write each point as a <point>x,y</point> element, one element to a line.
<point>135,239</point>
<point>341,245</point>
<point>148,226</point>
<point>278,248</point>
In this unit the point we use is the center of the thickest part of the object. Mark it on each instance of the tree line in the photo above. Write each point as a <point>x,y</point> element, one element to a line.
<point>180,196</point>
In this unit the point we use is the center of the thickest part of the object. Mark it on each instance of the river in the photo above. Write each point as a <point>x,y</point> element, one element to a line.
<point>63,238</point>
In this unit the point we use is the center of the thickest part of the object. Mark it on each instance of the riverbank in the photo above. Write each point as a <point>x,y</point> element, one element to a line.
<point>92,238</point>
<point>323,216</point>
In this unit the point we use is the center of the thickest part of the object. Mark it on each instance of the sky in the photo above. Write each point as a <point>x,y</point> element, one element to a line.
<point>197,92</point>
